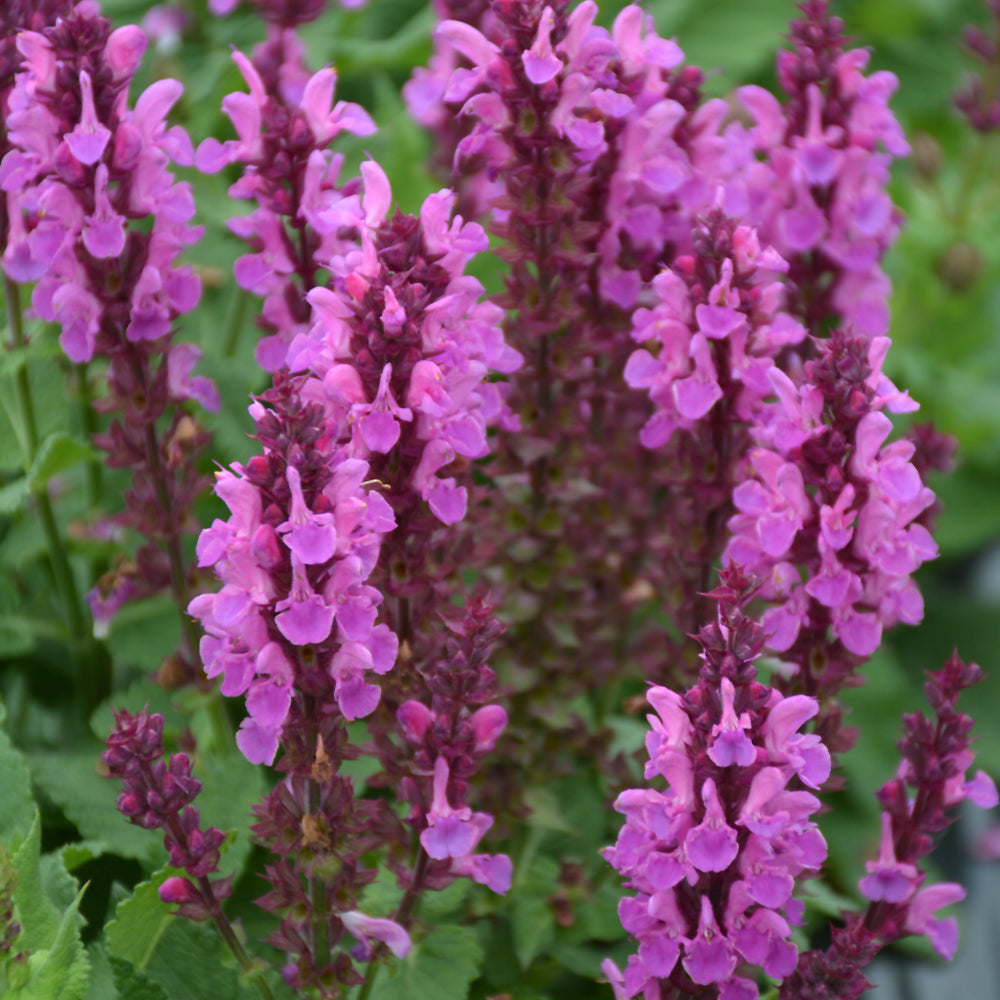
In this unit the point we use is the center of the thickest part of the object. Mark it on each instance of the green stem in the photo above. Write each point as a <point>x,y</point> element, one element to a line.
<point>225,928</point>
<point>234,323</point>
<point>92,673</point>
<point>61,569</point>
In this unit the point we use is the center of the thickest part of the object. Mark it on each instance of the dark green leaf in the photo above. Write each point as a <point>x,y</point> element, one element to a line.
<point>102,979</point>
<point>188,962</point>
<point>17,807</point>
<point>532,918</point>
<point>440,967</point>
<point>132,984</point>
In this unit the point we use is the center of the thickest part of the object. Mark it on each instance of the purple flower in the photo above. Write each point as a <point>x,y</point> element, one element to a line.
<point>378,929</point>
<point>828,517</point>
<point>293,558</point>
<point>731,851</point>
<point>816,184</point>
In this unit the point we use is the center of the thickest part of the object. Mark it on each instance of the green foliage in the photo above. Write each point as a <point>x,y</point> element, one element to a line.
<point>736,40</point>
<point>58,452</point>
<point>185,961</point>
<point>440,967</point>
<point>532,920</point>
<point>57,964</point>
<point>71,780</point>
<point>130,982</point>
<point>17,808</point>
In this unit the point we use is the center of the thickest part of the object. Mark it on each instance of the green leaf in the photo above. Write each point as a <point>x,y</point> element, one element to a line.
<point>437,906</point>
<point>102,979</point>
<point>139,923</point>
<point>188,962</point>
<point>38,916</point>
<point>229,787</point>
<point>532,919</point>
<point>70,778</point>
<point>79,852</point>
<point>56,453</point>
<point>132,984</point>
<point>144,633</point>
<point>14,496</point>
<point>61,972</point>
<point>17,807</point>
<point>440,967</point>
<point>57,883</point>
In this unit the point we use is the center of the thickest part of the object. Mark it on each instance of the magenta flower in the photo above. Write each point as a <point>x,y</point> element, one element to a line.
<point>828,518</point>
<point>931,780</point>
<point>293,556</point>
<point>404,346</point>
<point>732,832</point>
<point>283,126</point>
<point>815,172</point>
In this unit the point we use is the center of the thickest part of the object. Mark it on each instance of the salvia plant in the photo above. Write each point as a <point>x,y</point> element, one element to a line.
<point>464,528</point>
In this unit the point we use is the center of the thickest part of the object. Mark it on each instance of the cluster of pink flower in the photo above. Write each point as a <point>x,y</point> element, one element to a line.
<point>716,322</point>
<point>284,126</point>
<point>829,497</point>
<point>609,98</point>
<point>714,859</point>
<point>97,221</point>
<point>302,538</point>
<point>402,338</point>
<point>83,165</point>
<point>919,804</point>
<point>448,741</point>
<point>814,173</point>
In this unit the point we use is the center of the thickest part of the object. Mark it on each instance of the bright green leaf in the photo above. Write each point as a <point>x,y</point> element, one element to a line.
<point>62,971</point>
<point>79,852</point>
<point>38,916</point>
<point>140,921</point>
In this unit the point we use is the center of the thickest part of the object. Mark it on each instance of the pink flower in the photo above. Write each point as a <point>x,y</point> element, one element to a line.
<point>387,931</point>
